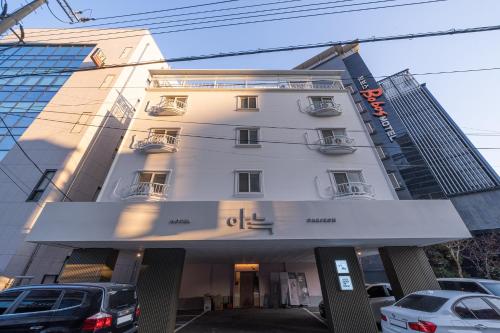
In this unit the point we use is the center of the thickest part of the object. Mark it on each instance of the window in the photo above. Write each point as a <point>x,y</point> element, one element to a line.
<point>493,287</point>
<point>153,177</point>
<point>7,299</point>
<point>38,300</point>
<point>480,308</point>
<point>470,287</point>
<point>381,152</point>
<point>160,133</point>
<point>369,128</point>
<point>107,81</point>
<point>394,180</point>
<point>349,183</point>
<point>247,136</point>
<point>423,303</point>
<point>120,299</point>
<point>329,134</point>
<point>463,312</point>
<point>151,183</point>
<point>376,291</point>
<point>179,101</point>
<point>42,185</point>
<point>350,88</point>
<point>71,298</point>
<point>347,177</point>
<point>322,102</point>
<point>249,181</point>
<point>247,102</point>
<point>125,52</point>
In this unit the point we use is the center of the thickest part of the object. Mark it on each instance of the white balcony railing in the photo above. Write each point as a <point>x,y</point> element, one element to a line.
<point>353,190</point>
<point>168,107</point>
<point>156,143</point>
<point>230,83</point>
<point>323,109</point>
<point>336,145</point>
<point>150,190</point>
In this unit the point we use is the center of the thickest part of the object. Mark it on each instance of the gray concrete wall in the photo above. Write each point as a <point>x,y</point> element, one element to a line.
<point>479,211</point>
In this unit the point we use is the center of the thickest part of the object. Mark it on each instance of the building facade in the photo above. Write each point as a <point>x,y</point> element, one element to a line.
<point>260,188</point>
<point>68,124</point>
<point>424,152</point>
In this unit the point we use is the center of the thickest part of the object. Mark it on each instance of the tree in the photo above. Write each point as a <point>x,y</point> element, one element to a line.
<point>455,251</point>
<point>483,252</point>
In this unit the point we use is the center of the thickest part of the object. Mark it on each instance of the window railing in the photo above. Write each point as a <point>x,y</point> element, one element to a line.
<point>169,106</point>
<point>353,189</point>
<point>165,141</point>
<point>336,140</point>
<point>154,190</point>
<point>323,108</point>
<point>245,84</point>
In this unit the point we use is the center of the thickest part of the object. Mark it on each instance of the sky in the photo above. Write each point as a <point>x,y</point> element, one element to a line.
<point>470,98</point>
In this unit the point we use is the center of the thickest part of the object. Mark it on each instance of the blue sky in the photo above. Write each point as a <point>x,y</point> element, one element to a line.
<point>470,98</point>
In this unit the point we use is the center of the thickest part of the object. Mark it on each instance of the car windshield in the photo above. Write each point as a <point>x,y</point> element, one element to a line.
<point>423,303</point>
<point>493,287</point>
<point>121,298</point>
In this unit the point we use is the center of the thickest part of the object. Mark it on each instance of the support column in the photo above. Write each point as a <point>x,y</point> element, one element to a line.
<point>89,265</point>
<point>408,270</point>
<point>347,311</point>
<point>158,289</point>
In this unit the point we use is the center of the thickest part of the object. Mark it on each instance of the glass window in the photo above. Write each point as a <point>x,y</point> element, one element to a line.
<point>394,180</point>
<point>322,101</point>
<point>463,312</point>
<point>381,152</point>
<point>120,299</point>
<point>7,298</point>
<point>249,182</point>
<point>425,303</point>
<point>247,102</point>
<point>480,308</point>
<point>369,128</point>
<point>38,300</point>
<point>43,183</point>
<point>493,287</point>
<point>471,287</point>
<point>376,291</point>
<point>495,302</point>
<point>248,136</point>
<point>71,298</point>
<point>330,134</point>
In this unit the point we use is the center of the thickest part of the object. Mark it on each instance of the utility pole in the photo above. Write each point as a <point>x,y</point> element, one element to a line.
<point>12,19</point>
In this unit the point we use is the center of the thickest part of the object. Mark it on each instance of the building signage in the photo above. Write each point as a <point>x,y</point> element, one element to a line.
<point>345,282</point>
<point>253,222</point>
<point>342,267</point>
<point>179,221</point>
<point>321,220</point>
<point>372,96</point>
<point>98,58</point>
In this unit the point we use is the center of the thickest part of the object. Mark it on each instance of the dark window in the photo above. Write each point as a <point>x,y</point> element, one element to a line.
<point>463,312</point>
<point>43,183</point>
<point>121,299</point>
<point>480,308</point>
<point>71,298</point>
<point>249,182</point>
<point>470,287</point>
<point>423,303</point>
<point>495,302</point>
<point>248,136</point>
<point>7,299</point>
<point>376,291</point>
<point>38,300</point>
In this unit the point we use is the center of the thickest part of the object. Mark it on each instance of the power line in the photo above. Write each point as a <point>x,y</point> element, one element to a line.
<point>260,141</point>
<point>244,23</point>
<point>31,160</point>
<point>55,16</point>
<point>281,49</point>
<point>247,15</point>
<point>17,185</point>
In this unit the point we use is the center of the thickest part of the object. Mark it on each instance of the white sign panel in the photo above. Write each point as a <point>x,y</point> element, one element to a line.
<point>342,267</point>
<point>345,282</point>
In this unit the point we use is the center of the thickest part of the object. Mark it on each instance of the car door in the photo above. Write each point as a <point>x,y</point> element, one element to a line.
<point>75,306</point>
<point>33,312</point>
<point>7,300</point>
<point>479,313</point>
<point>378,297</point>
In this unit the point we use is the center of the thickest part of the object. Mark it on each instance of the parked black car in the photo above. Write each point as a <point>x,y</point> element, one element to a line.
<point>70,308</point>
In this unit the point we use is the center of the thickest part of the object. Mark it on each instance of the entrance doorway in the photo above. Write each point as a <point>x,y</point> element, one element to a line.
<point>246,291</point>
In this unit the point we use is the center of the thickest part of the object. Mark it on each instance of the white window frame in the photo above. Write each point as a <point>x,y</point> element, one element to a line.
<point>323,99</point>
<point>237,193</point>
<point>168,172</point>
<point>239,103</point>
<point>360,107</point>
<point>248,145</point>
<point>331,173</point>
<point>394,180</point>
<point>370,128</point>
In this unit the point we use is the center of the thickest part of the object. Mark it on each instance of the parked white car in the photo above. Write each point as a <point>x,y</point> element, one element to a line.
<point>471,285</point>
<point>443,311</point>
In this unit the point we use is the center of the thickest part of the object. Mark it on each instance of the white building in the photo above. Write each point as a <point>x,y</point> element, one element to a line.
<point>227,178</point>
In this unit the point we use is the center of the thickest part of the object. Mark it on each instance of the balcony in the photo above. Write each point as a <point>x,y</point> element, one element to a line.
<point>336,145</point>
<point>323,109</point>
<point>151,191</point>
<point>353,190</point>
<point>158,144</point>
<point>169,106</point>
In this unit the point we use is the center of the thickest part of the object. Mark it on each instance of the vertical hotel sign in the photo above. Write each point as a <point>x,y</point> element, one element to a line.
<point>98,58</point>
<point>372,96</point>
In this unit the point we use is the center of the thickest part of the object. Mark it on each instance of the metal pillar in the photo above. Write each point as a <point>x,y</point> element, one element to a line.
<point>12,19</point>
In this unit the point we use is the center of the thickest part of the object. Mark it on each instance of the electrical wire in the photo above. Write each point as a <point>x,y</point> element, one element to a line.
<point>31,160</point>
<point>107,34</point>
<point>280,49</point>
<point>17,185</point>
<point>55,16</point>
